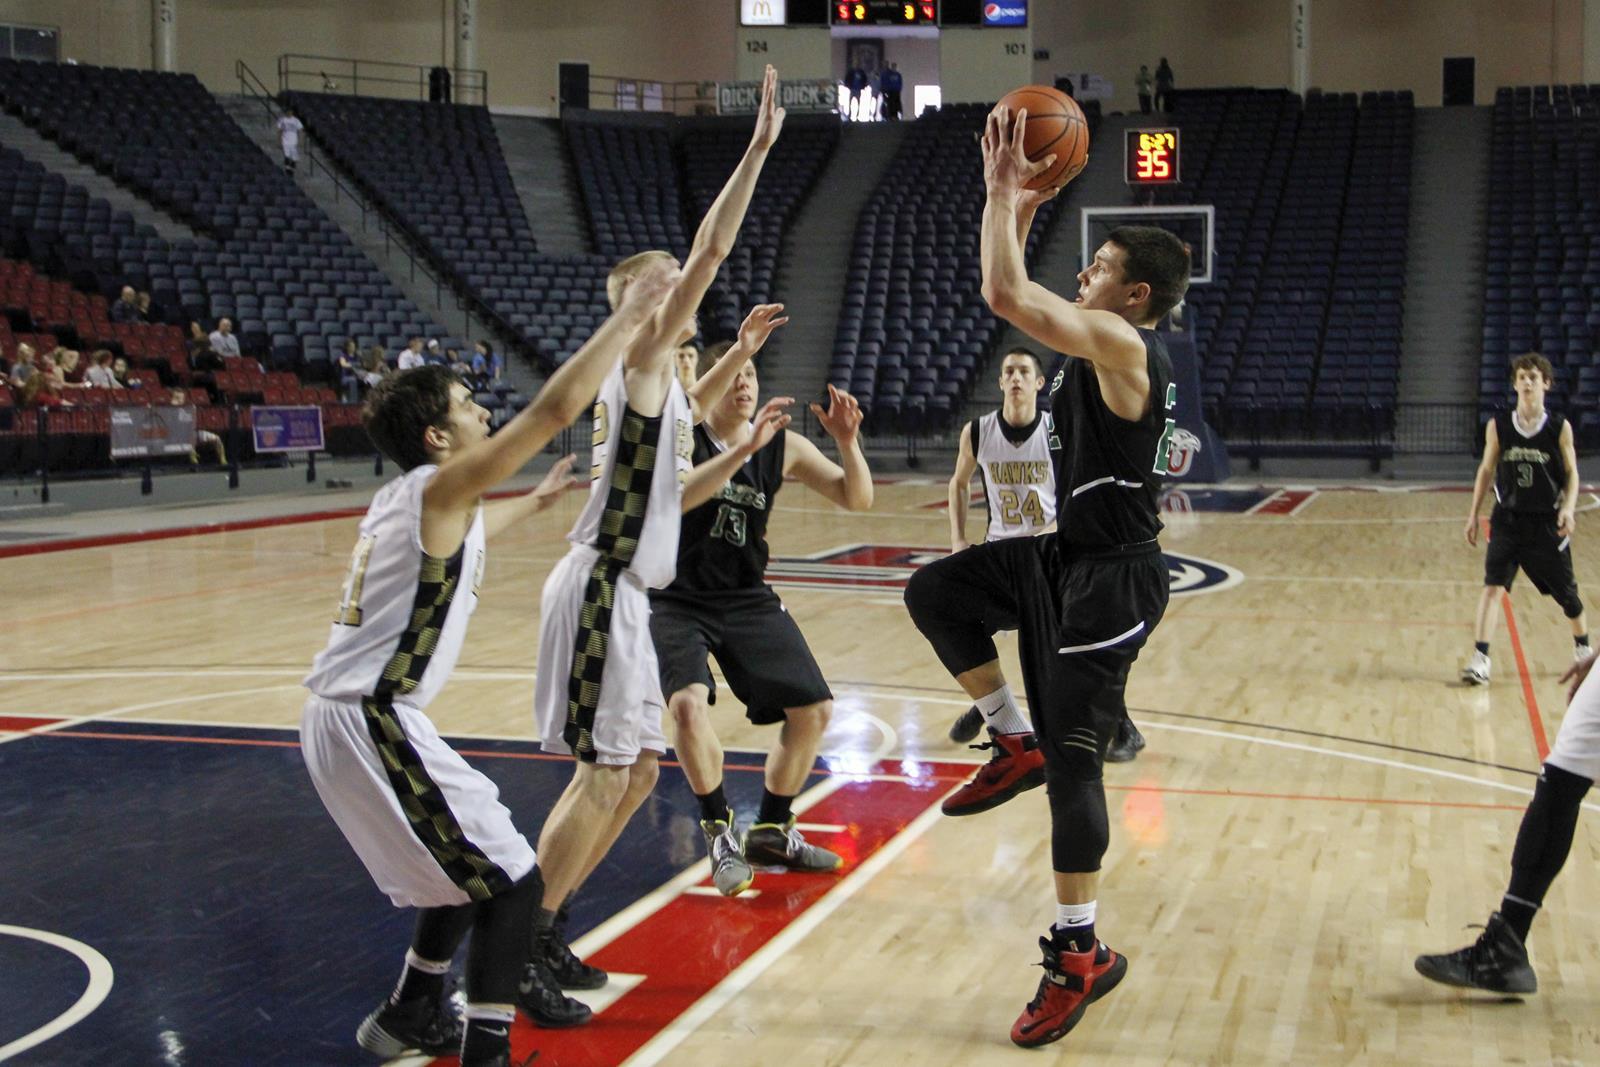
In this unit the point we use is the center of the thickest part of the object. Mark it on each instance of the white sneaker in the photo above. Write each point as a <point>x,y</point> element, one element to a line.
<point>1476,672</point>
<point>1581,653</point>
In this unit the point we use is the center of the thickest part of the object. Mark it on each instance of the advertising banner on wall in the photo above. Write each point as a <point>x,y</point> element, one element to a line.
<point>287,429</point>
<point>794,94</point>
<point>151,430</point>
<point>1007,13</point>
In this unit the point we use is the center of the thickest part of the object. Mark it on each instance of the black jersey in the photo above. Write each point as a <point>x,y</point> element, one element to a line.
<point>723,545</point>
<point>1531,473</point>
<point>1109,470</point>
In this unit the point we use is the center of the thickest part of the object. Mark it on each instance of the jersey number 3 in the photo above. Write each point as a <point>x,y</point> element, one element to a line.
<point>350,600</point>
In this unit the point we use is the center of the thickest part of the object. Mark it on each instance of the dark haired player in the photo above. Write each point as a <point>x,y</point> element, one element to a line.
<point>429,827</point>
<point>720,605</point>
<point>1086,597</point>
<point>1013,450</point>
<point>1529,460</point>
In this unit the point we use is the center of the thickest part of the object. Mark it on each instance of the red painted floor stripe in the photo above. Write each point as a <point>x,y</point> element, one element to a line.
<point>693,942</point>
<point>1535,723</point>
<point>1284,502</point>
<point>18,723</point>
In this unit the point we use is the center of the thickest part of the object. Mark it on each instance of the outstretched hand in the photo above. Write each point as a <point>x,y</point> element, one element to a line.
<point>557,480</point>
<point>1575,676</point>
<point>650,287</point>
<point>1006,167</point>
<point>769,118</point>
<point>759,324</point>
<point>768,423</point>
<point>843,417</point>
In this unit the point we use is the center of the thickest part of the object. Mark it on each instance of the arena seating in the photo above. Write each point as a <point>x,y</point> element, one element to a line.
<point>913,329</point>
<point>438,171</point>
<point>1542,264</point>
<point>267,257</point>
<point>1301,329</point>
<point>711,149</point>
<point>630,185</point>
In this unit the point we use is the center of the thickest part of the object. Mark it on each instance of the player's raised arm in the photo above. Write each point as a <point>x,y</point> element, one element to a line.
<point>705,479</point>
<point>1485,478</point>
<point>715,237</point>
<point>753,333</point>
<point>847,483</point>
<point>1104,338</point>
<point>465,477</point>
<point>961,490</point>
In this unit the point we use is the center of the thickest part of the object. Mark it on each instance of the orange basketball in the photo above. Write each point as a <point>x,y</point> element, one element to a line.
<point>1056,126</point>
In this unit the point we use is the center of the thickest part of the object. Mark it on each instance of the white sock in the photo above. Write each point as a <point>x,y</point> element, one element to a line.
<point>491,1013</point>
<point>416,962</point>
<point>1069,915</point>
<point>1000,711</point>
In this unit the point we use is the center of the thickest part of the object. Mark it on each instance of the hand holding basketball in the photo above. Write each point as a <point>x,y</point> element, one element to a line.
<point>1046,134</point>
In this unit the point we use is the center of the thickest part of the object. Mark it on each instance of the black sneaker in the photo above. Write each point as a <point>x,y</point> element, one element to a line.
<point>563,964</point>
<point>1127,743</point>
<point>967,725</point>
<point>423,1024</point>
<point>1497,961</point>
<point>541,999</point>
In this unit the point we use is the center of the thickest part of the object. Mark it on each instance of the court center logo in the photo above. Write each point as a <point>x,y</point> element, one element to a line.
<point>879,568</point>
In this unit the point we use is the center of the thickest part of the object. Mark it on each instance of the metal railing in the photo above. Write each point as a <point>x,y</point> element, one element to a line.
<point>612,93</point>
<point>377,77</point>
<point>394,235</point>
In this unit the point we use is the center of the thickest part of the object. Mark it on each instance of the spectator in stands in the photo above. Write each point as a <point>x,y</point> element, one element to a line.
<point>893,84</point>
<point>1164,82</point>
<point>70,369</point>
<point>126,309</point>
<point>855,82</point>
<point>374,368</point>
<point>202,438</point>
<point>148,312</point>
<point>289,129</point>
<point>23,367</point>
<point>1141,85</point>
<point>125,379</point>
<point>687,363</point>
<point>349,367</point>
<point>434,355</point>
<point>202,356</point>
<point>412,356</point>
<point>100,374</point>
<point>223,342</point>
<point>487,364</point>
<point>39,391</point>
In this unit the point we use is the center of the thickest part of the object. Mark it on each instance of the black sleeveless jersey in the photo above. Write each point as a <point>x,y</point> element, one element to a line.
<point>723,545</point>
<point>1531,473</point>
<point>1109,470</point>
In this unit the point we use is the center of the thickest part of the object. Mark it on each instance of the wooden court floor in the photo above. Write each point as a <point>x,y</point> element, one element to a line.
<point>1319,802</point>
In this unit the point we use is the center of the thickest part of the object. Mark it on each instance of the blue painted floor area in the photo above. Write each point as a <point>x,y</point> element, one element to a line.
<point>241,927</point>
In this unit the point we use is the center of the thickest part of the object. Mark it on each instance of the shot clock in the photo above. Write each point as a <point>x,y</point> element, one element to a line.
<point>1150,156</point>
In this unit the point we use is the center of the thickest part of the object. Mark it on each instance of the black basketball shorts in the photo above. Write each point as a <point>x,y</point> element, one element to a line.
<point>757,643</point>
<point>1529,541</point>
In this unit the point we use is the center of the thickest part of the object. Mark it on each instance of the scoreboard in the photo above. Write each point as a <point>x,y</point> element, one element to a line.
<point>1150,156</point>
<point>885,13</point>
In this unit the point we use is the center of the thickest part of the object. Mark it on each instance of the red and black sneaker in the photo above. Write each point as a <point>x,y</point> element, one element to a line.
<point>1017,765</point>
<point>1072,981</point>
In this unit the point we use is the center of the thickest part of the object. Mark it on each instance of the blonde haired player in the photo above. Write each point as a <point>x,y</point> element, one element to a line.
<point>429,827</point>
<point>598,688</point>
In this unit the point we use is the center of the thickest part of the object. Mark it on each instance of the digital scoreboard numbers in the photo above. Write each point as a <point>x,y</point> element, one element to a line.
<point>885,13</point>
<point>1151,156</point>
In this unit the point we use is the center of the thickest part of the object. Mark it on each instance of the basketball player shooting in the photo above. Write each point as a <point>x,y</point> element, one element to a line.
<point>1086,597</point>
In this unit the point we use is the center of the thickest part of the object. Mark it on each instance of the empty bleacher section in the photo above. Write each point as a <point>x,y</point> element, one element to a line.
<point>439,173</point>
<point>1301,330</point>
<point>711,150</point>
<point>913,330</point>
<point>268,257</point>
<point>630,184</point>
<point>1542,267</point>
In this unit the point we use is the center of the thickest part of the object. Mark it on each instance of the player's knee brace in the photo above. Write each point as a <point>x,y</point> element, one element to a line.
<point>500,940</point>
<point>1545,837</point>
<point>1079,829</point>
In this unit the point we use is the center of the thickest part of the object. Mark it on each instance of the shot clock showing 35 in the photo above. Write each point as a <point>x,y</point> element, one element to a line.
<point>1151,156</point>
